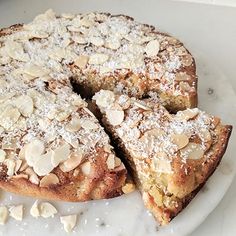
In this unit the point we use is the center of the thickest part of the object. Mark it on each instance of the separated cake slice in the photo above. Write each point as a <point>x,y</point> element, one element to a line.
<point>52,146</point>
<point>171,156</point>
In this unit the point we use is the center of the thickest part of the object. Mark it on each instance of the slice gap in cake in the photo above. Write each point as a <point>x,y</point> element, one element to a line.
<point>171,156</point>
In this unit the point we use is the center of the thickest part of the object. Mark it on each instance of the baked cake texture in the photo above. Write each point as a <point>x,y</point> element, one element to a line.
<point>171,156</point>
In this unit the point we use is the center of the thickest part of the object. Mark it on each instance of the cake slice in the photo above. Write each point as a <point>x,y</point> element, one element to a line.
<point>52,146</point>
<point>171,156</point>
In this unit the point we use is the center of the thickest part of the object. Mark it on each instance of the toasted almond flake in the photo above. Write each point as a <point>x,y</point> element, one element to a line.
<point>184,86</point>
<point>15,50</point>
<point>98,59</point>
<point>73,125</point>
<point>97,41</point>
<point>43,165</point>
<point>104,98</point>
<point>71,163</point>
<point>142,106</point>
<point>113,43</point>
<point>154,132</point>
<point>10,166</point>
<point>34,211</point>
<point>33,150</point>
<point>115,117</point>
<point>192,151</point>
<point>128,188</point>
<point>86,167</point>
<point>16,212</point>
<point>9,116</point>
<point>88,124</point>
<point>205,135</point>
<point>117,162</point>
<point>111,161</point>
<point>182,76</point>
<point>61,116</point>
<point>47,210</point>
<point>79,39</point>
<point>36,71</point>
<point>81,61</point>
<point>60,154</point>
<point>86,22</point>
<point>24,166</point>
<point>68,222</point>
<point>34,179</point>
<point>25,105</point>
<point>162,166</point>
<point>152,48</point>
<point>187,114</point>
<point>181,140</point>
<point>48,180</point>
<point>3,215</point>
<point>2,155</point>
<point>38,34</point>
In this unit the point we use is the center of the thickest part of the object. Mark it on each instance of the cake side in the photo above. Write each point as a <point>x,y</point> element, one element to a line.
<point>171,156</point>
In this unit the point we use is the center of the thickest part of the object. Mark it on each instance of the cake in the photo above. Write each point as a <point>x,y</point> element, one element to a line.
<point>171,155</point>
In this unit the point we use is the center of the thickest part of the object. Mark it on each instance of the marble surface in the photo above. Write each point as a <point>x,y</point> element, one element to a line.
<point>211,39</point>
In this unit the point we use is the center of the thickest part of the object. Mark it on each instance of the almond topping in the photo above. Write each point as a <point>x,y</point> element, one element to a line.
<point>86,167</point>
<point>128,188</point>
<point>152,48</point>
<point>104,98</point>
<point>117,162</point>
<point>73,125</point>
<point>33,150</point>
<point>113,43</point>
<point>192,151</point>
<point>18,165</point>
<point>142,106</point>
<point>68,222</point>
<point>10,166</point>
<point>36,71</point>
<point>81,61</point>
<point>43,165</point>
<point>16,212</point>
<point>2,155</point>
<point>60,154</point>
<point>15,50</point>
<point>97,41</point>
<point>205,135</point>
<point>47,210</point>
<point>88,124</point>
<point>9,116</point>
<point>24,103</point>
<point>115,117</point>
<point>48,180</point>
<point>111,161</point>
<point>162,165</point>
<point>3,215</point>
<point>181,140</point>
<point>79,39</point>
<point>187,114</point>
<point>71,163</point>
<point>182,76</point>
<point>98,59</point>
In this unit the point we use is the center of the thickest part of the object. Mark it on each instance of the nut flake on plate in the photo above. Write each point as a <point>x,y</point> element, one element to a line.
<point>16,212</point>
<point>68,222</point>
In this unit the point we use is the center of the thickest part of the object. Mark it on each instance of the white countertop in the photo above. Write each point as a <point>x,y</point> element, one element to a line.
<point>213,33</point>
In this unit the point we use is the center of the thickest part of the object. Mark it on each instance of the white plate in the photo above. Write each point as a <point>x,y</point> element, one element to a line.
<point>126,215</point>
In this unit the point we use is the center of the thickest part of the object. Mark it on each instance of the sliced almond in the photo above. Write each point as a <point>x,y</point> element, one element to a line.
<point>113,43</point>
<point>34,179</point>
<point>88,124</point>
<point>104,98</point>
<point>192,151</point>
<point>205,135</point>
<point>33,150</point>
<point>18,165</point>
<point>25,105</point>
<point>152,48</point>
<point>184,86</point>
<point>68,222</point>
<point>34,211</point>
<point>117,162</point>
<point>86,168</point>
<point>16,212</point>
<point>97,41</point>
<point>10,166</point>
<point>43,165</point>
<point>2,155</point>
<point>9,116</point>
<point>70,164</point>
<point>73,125</point>
<point>182,76</point>
<point>36,71</point>
<point>60,154</point>
<point>111,161</point>
<point>47,210</point>
<point>3,215</point>
<point>79,39</point>
<point>142,105</point>
<point>115,117</point>
<point>154,132</point>
<point>98,59</point>
<point>181,140</point>
<point>187,114</point>
<point>49,180</point>
<point>15,50</point>
<point>61,116</point>
<point>128,188</point>
<point>81,61</point>
<point>162,166</point>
